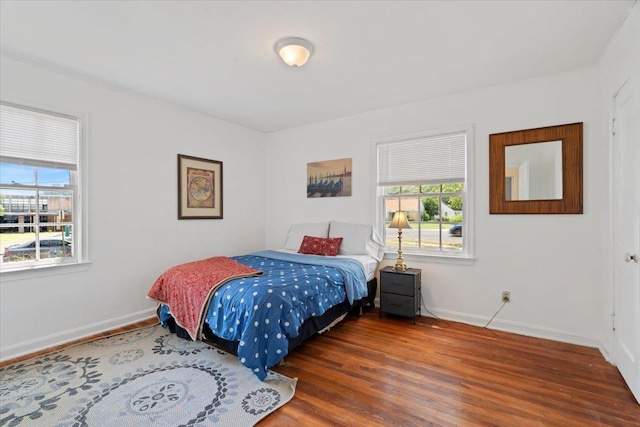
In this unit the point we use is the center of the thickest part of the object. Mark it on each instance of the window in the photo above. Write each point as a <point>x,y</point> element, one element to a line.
<point>427,177</point>
<point>39,188</point>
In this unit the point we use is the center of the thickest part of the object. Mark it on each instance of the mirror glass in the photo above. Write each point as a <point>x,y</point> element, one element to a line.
<point>533,171</point>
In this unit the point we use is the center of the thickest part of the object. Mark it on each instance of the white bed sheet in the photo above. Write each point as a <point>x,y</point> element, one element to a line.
<point>370,264</point>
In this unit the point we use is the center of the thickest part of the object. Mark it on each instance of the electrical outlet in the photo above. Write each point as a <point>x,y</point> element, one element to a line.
<point>506,296</point>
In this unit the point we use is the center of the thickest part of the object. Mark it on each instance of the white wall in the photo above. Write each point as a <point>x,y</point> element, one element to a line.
<point>556,266</point>
<point>552,264</point>
<point>620,63</point>
<point>134,232</point>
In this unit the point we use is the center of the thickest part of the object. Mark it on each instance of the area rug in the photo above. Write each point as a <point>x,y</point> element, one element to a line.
<point>146,377</point>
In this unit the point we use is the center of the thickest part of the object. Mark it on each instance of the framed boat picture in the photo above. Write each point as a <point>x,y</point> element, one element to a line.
<point>329,178</point>
<point>199,188</point>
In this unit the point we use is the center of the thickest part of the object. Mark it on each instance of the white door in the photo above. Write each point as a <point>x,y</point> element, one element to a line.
<point>626,233</point>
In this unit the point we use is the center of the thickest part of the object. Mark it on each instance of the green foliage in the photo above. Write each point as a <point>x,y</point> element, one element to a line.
<point>430,205</point>
<point>457,218</point>
<point>454,202</point>
<point>441,188</point>
<point>393,190</point>
<point>410,189</point>
<point>425,189</point>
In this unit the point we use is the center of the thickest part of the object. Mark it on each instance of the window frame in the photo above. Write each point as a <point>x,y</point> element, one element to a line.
<point>80,261</point>
<point>439,195</point>
<point>467,254</point>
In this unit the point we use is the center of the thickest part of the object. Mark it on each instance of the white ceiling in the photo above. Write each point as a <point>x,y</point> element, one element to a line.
<point>218,57</point>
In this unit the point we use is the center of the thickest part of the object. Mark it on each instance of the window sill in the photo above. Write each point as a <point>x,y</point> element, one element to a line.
<point>43,271</point>
<point>444,259</point>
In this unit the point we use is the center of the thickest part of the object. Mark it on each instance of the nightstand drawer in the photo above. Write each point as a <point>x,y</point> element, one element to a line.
<point>398,304</point>
<point>402,284</point>
<point>400,291</point>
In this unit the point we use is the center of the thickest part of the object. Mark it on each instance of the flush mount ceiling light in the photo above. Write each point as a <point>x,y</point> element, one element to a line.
<point>294,51</point>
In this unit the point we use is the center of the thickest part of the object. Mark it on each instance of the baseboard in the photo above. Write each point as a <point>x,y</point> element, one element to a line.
<point>516,328</point>
<point>605,353</point>
<point>18,350</point>
<point>33,346</point>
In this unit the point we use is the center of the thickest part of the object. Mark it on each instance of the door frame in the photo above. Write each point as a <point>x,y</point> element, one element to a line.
<point>611,335</point>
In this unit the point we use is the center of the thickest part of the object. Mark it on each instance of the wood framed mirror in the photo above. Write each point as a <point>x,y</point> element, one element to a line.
<point>536,171</point>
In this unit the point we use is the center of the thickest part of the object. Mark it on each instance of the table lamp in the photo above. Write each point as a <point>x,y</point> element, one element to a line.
<point>399,221</point>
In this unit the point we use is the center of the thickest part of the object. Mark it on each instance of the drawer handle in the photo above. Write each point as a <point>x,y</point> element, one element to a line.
<point>396,305</point>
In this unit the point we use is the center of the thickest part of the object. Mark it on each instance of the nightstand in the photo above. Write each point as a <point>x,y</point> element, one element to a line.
<point>400,292</point>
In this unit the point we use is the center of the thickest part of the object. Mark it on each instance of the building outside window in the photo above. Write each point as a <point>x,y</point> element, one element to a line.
<point>427,176</point>
<point>39,188</point>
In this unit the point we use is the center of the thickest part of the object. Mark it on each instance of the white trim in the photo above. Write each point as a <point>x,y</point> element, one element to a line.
<point>47,270</point>
<point>445,258</point>
<point>468,241</point>
<point>83,189</point>
<point>81,198</point>
<point>512,327</point>
<point>32,346</point>
<point>515,327</point>
<point>469,211</point>
<point>422,134</point>
<point>605,354</point>
<point>608,338</point>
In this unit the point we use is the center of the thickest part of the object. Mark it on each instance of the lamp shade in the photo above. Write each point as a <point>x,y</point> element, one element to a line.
<point>294,51</point>
<point>399,220</point>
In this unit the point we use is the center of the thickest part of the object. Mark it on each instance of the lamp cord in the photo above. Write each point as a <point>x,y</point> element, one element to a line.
<point>448,324</point>
<point>493,317</point>
<point>427,310</point>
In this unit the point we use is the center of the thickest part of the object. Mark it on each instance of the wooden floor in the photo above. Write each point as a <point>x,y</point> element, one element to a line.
<point>148,322</point>
<point>389,372</point>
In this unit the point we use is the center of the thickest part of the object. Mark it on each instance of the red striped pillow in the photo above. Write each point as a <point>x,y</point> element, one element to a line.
<point>320,246</point>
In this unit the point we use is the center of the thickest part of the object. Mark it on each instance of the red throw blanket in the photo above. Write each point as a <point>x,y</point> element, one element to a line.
<point>187,288</point>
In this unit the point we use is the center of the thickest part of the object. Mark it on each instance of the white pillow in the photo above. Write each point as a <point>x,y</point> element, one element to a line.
<point>298,231</point>
<point>357,239</point>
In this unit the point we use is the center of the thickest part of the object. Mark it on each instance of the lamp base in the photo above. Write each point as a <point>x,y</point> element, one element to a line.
<point>400,265</point>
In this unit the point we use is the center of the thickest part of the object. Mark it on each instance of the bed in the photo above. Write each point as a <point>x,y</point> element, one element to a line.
<point>274,300</point>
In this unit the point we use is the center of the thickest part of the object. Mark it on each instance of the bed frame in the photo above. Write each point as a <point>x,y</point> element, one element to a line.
<point>309,328</point>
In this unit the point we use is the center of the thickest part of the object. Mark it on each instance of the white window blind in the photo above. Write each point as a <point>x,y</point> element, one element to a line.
<point>38,138</point>
<point>438,159</point>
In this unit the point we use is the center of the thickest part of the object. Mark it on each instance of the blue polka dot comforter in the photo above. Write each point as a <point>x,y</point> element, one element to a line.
<point>262,312</point>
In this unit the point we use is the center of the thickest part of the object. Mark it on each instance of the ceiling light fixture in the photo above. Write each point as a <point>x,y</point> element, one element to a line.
<point>294,51</point>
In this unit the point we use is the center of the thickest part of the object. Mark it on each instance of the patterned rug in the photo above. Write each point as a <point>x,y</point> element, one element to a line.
<point>146,377</point>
